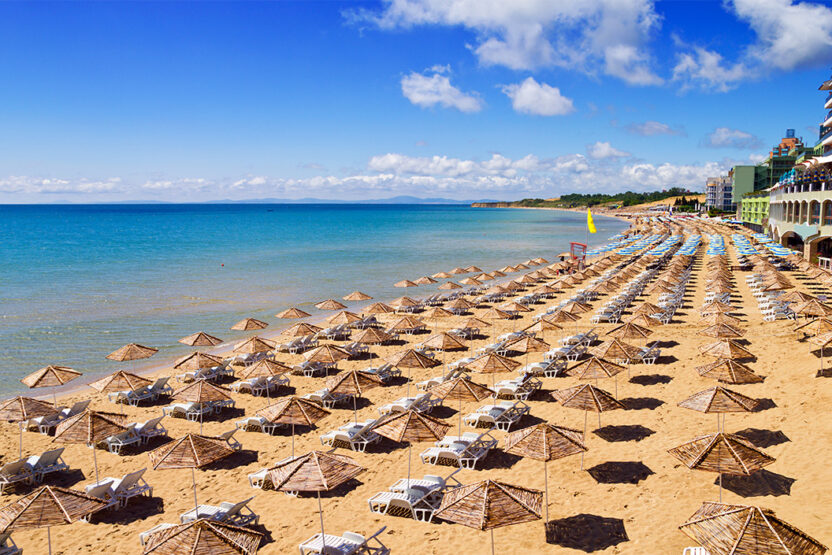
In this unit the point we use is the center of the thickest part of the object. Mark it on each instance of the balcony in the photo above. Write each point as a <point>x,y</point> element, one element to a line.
<point>828,103</point>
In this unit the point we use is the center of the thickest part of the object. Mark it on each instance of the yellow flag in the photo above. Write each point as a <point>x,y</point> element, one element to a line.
<point>589,223</point>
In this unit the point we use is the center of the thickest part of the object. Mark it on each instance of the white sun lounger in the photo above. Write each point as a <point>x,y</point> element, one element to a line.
<point>47,463</point>
<point>238,514</point>
<point>15,472</point>
<point>348,543</point>
<point>357,435</point>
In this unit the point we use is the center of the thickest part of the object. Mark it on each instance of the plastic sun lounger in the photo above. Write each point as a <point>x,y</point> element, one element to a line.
<point>348,543</point>
<point>115,443</point>
<point>159,527</point>
<point>228,437</point>
<point>149,429</point>
<point>257,424</point>
<point>16,472</point>
<point>7,545</point>
<point>238,514</point>
<point>45,425</point>
<point>47,463</point>
<point>357,435</point>
<point>420,503</point>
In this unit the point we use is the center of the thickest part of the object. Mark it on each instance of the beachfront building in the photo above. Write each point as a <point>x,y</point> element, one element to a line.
<point>754,210</point>
<point>719,193</point>
<point>800,211</point>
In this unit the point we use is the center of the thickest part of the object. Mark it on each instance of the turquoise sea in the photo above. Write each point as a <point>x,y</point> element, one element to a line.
<point>79,281</point>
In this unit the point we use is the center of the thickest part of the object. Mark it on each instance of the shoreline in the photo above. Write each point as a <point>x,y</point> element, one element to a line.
<point>575,210</point>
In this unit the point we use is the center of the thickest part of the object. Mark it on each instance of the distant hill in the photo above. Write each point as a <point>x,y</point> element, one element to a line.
<point>577,200</point>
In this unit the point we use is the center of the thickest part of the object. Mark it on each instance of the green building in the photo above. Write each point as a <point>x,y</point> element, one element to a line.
<point>781,158</point>
<point>754,210</point>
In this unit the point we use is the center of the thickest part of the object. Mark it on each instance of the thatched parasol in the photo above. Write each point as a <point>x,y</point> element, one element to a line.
<point>816,326</point>
<point>352,383</point>
<point>719,400</point>
<point>561,317</point>
<point>725,348</point>
<point>46,507</point>
<point>721,331</point>
<point>132,351</point>
<point>411,359</point>
<point>301,329</point>
<point>249,324</point>
<point>576,307</point>
<point>823,340</point>
<point>492,363</point>
<point>472,269</point>
<point>615,349</point>
<point>326,354</point>
<point>372,336</point>
<point>545,442</point>
<point>588,398</point>
<point>410,427</point>
<point>405,283</point>
<point>496,314</point>
<point>448,285</point>
<point>716,307</point>
<point>644,321</point>
<point>470,281</point>
<point>191,451</point>
<point>120,381</point>
<point>424,280</point>
<point>460,389</point>
<point>294,411</point>
<point>378,308</point>
<point>483,277</point>
<point>203,536</point>
<point>490,504</point>
<point>21,409</point>
<point>813,307</point>
<point>197,360</point>
<point>595,368</point>
<point>357,296</point>
<point>50,376</point>
<point>797,297</point>
<point>460,304</point>
<point>201,339</point>
<point>442,275</point>
<point>722,453</point>
<point>315,471</point>
<point>444,341</point>
<point>746,530</point>
<point>630,331</point>
<point>330,304</point>
<point>437,312</point>
<point>473,322</point>
<point>729,371</point>
<point>254,345</point>
<point>344,317</point>
<point>89,428</point>
<point>403,302</point>
<point>527,344</point>
<point>515,307</point>
<point>265,368</point>
<point>407,323</point>
<point>714,319</point>
<point>201,391</point>
<point>292,313</point>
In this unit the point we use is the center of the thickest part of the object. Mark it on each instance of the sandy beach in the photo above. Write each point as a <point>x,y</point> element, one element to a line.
<point>630,498</point>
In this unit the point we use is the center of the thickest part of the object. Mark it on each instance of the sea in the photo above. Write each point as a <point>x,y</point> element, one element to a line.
<point>79,281</point>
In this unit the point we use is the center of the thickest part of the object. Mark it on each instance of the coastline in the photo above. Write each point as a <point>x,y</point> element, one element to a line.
<point>561,209</point>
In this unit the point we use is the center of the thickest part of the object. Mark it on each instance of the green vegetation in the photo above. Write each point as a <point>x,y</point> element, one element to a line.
<point>629,198</point>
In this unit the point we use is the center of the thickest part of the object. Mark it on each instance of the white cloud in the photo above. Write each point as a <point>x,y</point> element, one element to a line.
<point>724,137</point>
<point>789,34</point>
<point>528,34</point>
<point>601,150</point>
<point>429,90</point>
<point>191,184</point>
<point>651,128</point>
<point>707,70</point>
<point>27,185</point>
<point>531,97</point>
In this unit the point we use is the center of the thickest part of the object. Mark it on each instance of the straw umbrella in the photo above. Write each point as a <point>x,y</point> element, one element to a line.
<point>615,349</point>
<point>405,283</point>
<point>630,331</point>
<point>437,312</point>
<point>647,308</point>
<point>714,319</point>
<point>719,400</point>
<point>448,285</point>
<point>725,348</point>
<point>409,427</point>
<point>424,280</point>
<point>527,344</point>
<point>249,324</point>
<point>132,351</point>
<point>352,383</point>
<point>201,391</point>
<point>716,307</point>
<point>545,442</point>
<point>378,308</point>
<point>746,530</point>
<point>404,302</point>
<point>823,341</point>
<point>315,471</point>
<point>190,451</point>
<point>644,321</point>
<point>357,296</point>
<point>576,307</point>
<point>22,409</point>
<point>562,317</point>
<point>722,331</point>
<point>492,363</point>
<point>120,381</point>
<point>587,398</point>
<point>541,327</point>
<point>50,376</point>
<point>196,361</point>
<point>722,453</point>
<point>301,329</point>
<point>730,371</point>
<point>595,368</point>
<point>292,313</point>
<point>344,317</point>
<point>254,345</point>
<point>797,297</point>
<point>411,359</point>
<point>330,304</point>
<point>327,354</point>
<point>89,428</point>
<point>46,507</point>
<point>407,323</point>
<point>814,308</point>
<point>442,275</point>
<point>294,411</point>
<point>460,389</point>
<point>460,305</point>
<point>372,336</point>
<point>472,269</point>
<point>203,536</point>
<point>817,326</point>
<point>201,339</point>
<point>266,368</point>
<point>490,504</point>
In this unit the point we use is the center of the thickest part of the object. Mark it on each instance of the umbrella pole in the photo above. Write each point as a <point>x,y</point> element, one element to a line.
<point>409,457</point>
<point>355,408</point>
<point>95,462</point>
<point>196,504</point>
<point>409,371</point>
<point>20,442</point>
<point>293,440</point>
<point>584,439</point>
<point>492,541</point>
<point>200,420</point>
<point>321,514</point>
<point>49,539</point>
<point>459,416</point>
<point>546,492</point>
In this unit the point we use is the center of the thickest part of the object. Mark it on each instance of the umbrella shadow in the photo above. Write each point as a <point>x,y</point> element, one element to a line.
<point>340,491</point>
<point>614,434</point>
<point>651,379</point>
<point>666,344</point>
<point>761,483</point>
<point>764,404</point>
<point>763,438</point>
<point>65,479</point>
<point>243,457</point>
<point>620,472</point>
<point>498,459</point>
<point>641,403</point>
<point>586,532</point>
<point>443,411</point>
<point>140,508</point>
<point>666,359</point>
<point>825,373</point>
<point>529,420</point>
<point>229,414</point>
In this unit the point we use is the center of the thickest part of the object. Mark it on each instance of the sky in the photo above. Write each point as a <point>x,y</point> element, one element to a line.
<point>463,99</point>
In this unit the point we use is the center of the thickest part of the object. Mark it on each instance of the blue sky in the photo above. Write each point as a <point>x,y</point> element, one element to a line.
<point>460,98</point>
